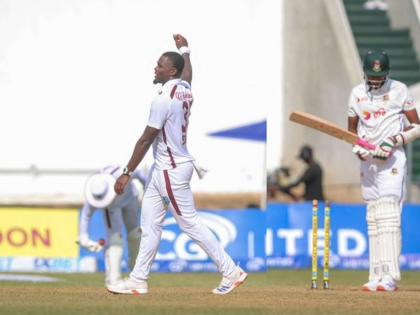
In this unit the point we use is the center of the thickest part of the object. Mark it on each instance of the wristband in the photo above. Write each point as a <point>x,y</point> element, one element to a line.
<point>127,172</point>
<point>184,50</point>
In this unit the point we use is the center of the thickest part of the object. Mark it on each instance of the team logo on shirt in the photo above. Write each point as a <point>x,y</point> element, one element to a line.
<point>166,202</point>
<point>376,66</point>
<point>394,171</point>
<point>366,115</point>
<point>376,114</point>
<point>386,97</point>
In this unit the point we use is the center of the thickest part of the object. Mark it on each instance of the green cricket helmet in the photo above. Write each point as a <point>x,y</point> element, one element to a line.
<point>376,65</point>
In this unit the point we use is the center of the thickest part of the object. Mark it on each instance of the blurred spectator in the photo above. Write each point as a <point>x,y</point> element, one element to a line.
<point>375,5</point>
<point>311,177</point>
<point>278,180</point>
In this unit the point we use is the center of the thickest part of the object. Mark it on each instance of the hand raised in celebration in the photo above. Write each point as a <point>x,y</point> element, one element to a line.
<point>180,41</point>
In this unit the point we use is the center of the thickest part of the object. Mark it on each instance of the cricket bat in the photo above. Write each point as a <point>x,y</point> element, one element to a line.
<point>329,128</point>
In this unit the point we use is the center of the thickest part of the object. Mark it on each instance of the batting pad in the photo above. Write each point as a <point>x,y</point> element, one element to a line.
<point>388,218</point>
<point>374,258</point>
<point>133,243</point>
<point>113,258</point>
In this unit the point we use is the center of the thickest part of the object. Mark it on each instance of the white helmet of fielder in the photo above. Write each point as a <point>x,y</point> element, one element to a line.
<point>99,190</point>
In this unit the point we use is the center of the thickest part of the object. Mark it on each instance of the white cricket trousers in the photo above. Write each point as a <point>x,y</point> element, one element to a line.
<point>384,178</point>
<point>170,189</point>
<point>383,188</point>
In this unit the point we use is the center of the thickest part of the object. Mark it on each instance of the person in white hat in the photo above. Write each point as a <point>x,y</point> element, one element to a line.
<point>119,211</point>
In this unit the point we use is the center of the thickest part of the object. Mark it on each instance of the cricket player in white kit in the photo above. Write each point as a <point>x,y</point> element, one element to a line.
<point>168,186</point>
<point>378,111</point>
<point>119,211</point>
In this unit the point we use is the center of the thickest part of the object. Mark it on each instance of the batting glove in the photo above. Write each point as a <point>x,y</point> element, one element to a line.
<point>383,151</point>
<point>90,245</point>
<point>361,152</point>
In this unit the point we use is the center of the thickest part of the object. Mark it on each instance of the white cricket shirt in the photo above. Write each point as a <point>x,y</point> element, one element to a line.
<point>170,112</point>
<point>380,111</point>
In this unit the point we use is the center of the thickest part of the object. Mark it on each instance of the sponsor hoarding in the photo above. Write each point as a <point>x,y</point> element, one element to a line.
<point>289,236</point>
<point>279,237</point>
<point>42,233</point>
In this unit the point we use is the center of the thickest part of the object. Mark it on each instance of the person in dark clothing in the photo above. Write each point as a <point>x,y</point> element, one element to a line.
<point>311,178</point>
<point>278,181</point>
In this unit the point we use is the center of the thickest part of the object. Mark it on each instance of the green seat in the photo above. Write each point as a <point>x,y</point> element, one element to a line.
<point>392,52</point>
<point>369,20</point>
<point>359,11</point>
<point>405,64</point>
<point>379,31</point>
<point>384,41</point>
<point>359,2</point>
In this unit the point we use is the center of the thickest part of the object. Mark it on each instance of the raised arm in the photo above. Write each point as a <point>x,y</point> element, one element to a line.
<point>182,45</point>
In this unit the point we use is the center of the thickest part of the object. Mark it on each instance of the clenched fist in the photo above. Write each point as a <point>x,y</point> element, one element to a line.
<point>180,41</point>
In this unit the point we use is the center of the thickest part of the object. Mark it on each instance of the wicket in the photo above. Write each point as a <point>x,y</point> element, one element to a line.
<point>326,278</point>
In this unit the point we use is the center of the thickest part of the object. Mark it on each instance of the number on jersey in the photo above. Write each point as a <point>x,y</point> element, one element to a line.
<point>186,107</point>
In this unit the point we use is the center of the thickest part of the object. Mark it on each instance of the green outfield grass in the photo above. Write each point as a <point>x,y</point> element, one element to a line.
<point>274,292</point>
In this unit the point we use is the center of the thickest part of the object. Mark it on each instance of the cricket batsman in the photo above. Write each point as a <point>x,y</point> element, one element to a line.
<point>381,111</point>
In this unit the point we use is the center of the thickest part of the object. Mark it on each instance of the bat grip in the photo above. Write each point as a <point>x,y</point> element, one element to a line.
<point>365,144</point>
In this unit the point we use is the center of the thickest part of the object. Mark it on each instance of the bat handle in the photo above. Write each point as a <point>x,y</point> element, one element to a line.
<point>365,144</point>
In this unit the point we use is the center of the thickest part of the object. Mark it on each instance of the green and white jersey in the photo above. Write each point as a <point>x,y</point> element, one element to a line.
<point>380,112</point>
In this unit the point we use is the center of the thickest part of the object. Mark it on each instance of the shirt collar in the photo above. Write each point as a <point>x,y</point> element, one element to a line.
<point>169,84</point>
<point>382,90</point>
